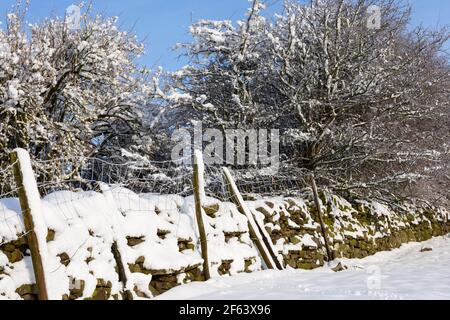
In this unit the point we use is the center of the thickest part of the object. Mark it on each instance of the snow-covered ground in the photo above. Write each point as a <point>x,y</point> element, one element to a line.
<point>405,273</point>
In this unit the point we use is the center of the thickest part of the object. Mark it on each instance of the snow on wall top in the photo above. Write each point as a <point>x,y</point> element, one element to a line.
<point>84,226</point>
<point>81,238</point>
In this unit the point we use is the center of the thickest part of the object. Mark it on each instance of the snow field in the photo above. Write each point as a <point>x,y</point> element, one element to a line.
<point>402,274</point>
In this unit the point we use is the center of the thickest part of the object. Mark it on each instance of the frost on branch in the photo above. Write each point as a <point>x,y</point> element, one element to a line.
<point>364,109</point>
<point>65,94</point>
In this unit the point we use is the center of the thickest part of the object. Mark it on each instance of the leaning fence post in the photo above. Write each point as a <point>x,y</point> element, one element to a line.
<point>199,194</point>
<point>30,205</point>
<point>268,257</point>
<point>319,214</point>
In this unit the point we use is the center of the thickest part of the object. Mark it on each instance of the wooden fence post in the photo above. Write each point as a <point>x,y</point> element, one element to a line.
<point>29,202</point>
<point>119,246</point>
<point>199,192</point>
<point>319,214</point>
<point>264,247</point>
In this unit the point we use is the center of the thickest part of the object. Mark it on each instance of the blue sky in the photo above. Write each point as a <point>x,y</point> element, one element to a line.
<point>165,22</point>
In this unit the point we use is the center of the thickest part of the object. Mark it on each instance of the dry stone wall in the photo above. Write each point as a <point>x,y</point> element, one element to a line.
<point>355,230</point>
<point>159,245</point>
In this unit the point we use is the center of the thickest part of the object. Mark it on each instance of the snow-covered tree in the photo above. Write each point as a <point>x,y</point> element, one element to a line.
<point>225,64</point>
<point>351,96</point>
<point>67,93</point>
<point>356,91</point>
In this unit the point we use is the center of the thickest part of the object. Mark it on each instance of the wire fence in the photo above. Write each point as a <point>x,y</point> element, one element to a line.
<point>252,184</point>
<point>156,186</point>
<point>63,186</point>
<point>166,177</point>
<point>134,183</point>
<point>153,186</point>
<point>163,178</point>
<point>136,187</point>
<point>11,223</point>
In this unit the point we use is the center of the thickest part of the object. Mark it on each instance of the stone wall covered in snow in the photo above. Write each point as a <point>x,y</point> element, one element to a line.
<point>354,230</point>
<point>156,236</point>
<point>158,243</point>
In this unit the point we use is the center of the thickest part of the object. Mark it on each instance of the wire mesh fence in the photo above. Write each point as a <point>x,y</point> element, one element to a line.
<point>252,184</point>
<point>64,180</point>
<point>154,187</point>
<point>166,177</point>
<point>11,223</point>
<point>136,188</point>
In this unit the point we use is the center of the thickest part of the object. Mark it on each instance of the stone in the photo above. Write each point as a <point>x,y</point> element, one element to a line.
<point>9,247</point>
<point>269,204</point>
<point>153,290</point>
<point>103,290</point>
<point>339,267</point>
<point>50,235</point>
<point>30,297</point>
<point>294,240</point>
<point>64,258</point>
<point>162,233</point>
<point>211,210</point>
<point>15,256</point>
<point>184,244</point>
<point>426,249</point>
<point>163,283</point>
<point>306,265</point>
<point>248,263</point>
<point>134,241</point>
<point>230,235</point>
<point>27,290</point>
<point>101,294</point>
<point>194,274</point>
<point>225,267</point>
<point>139,293</point>
<point>140,260</point>
<point>76,288</point>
